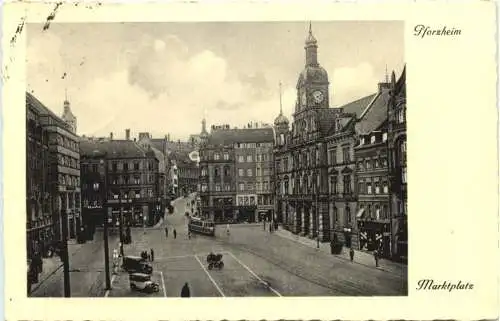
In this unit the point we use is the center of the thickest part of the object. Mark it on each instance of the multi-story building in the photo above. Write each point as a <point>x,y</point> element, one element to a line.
<point>397,166</point>
<point>131,182</point>
<point>300,154</point>
<point>39,212</point>
<point>188,172</point>
<point>235,174</point>
<point>323,186</point>
<point>264,171</point>
<point>64,166</point>
<point>217,176</point>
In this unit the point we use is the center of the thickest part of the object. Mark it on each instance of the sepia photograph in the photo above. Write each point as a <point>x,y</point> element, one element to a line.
<point>216,159</point>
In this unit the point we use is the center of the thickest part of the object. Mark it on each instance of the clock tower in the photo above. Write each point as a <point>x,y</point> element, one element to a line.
<point>312,85</point>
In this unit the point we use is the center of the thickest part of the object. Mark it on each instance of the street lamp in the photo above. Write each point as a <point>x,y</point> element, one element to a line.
<point>105,219</point>
<point>65,254</point>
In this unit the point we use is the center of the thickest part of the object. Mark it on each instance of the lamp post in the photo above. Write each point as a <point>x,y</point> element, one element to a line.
<point>103,194</point>
<point>65,254</point>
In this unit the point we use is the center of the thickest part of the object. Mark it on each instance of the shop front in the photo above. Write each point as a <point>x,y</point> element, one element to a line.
<point>375,235</point>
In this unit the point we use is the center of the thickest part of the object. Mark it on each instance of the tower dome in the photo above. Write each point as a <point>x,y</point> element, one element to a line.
<point>281,120</point>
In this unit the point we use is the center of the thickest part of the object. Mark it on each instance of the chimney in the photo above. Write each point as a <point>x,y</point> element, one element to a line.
<point>127,134</point>
<point>111,136</point>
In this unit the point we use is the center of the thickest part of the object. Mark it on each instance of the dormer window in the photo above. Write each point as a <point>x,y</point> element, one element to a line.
<point>362,141</point>
<point>372,140</point>
<point>384,137</point>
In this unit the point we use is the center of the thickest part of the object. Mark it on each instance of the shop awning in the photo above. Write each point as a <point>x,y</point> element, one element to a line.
<point>360,212</point>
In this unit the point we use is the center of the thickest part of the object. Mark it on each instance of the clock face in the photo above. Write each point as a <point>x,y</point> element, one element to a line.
<point>303,99</point>
<point>318,96</point>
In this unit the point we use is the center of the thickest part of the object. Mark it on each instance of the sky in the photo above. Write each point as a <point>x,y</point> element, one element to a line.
<point>163,78</point>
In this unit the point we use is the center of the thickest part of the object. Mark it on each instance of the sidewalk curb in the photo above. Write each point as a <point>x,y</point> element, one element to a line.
<point>299,239</point>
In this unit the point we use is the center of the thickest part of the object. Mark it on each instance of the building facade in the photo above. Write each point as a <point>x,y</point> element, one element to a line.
<point>397,166</point>
<point>64,167</point>
<point>40,228</point>
<point>217,178</point>
<point>131,181</point>
<point>234,173</point>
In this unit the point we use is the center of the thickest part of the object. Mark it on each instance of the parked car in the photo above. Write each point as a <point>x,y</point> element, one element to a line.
<point>136,264</point>
<point>143,282</point>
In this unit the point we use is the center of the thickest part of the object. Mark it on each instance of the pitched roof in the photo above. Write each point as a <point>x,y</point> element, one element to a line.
<point>358,106</point>
<point>374,115</point>
<point>39,107</point>
<point>112,148</point>
<point>243,135</point>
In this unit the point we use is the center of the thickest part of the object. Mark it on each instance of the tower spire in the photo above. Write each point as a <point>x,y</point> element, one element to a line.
<point>386,75</point>
<point>310,27</point>
<point>281,106</point>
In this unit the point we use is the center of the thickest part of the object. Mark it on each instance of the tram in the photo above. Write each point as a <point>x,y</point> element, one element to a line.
<point>198,225</point>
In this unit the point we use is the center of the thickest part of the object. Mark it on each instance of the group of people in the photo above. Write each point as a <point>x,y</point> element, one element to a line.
<point>376,256</point>
<point>150,256</point>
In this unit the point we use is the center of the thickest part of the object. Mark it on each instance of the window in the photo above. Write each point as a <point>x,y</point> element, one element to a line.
<point>368,188</point>
<point>204,188</point>
<point>125,166</point>
<point>372,139</point>
<point>360,166</point>
<point>362,141</point>
<point>249,158</point>
<point>241,159</point>
<point>114,167</point>
<point>249,172</point>
<point>259,157</point>
<point>226,171</point>
<point>241,187</point>
<point>258,171</point>
<point>249,186</point>
<point>384,162</point>
<point>348,214</point>
<point>377,188</point>
<point>360,188</point>
<point>346,154</point>
<point>333,184</point>
<point>216,172</point>
<point>203,171</point>
<point>377,164</point>
<point>241,172</point>
<point>386,188</point>
<point>384,137</point>
<point>266,186</point>
<point>217,187</point>
<point>347,184</point>
<point>226,156</point>
<point>403,175</point>
<point>266,172</point>
<point>368,164</point>
<point>136,166</point>
<point>335,214</point>
<point>252,200</point>
<point>259,186</point>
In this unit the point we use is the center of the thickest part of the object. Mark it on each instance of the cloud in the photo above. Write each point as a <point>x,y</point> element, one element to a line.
<point>351,83</point>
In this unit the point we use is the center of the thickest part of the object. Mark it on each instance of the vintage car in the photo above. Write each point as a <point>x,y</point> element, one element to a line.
<point>143,282</point>
<point>136,264</point>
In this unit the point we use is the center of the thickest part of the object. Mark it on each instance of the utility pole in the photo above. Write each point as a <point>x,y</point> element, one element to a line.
<point>65,254</point>
<point>105,218</point>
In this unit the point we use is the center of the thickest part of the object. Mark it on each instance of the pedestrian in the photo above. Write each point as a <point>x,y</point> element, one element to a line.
<point>185,292</point>
<point>152,255</point>
<point>375,256</point>
<point>189,235</point>
<point>166,232</point>
<point>175,234</point>
<point>227,229</point>
<point>351,254</point>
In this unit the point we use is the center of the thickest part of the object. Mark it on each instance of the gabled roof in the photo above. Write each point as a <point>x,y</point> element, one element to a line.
<point>375,115</point>
<point>358,106</point>
<point>112,148</point>
<point>244,135</point>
